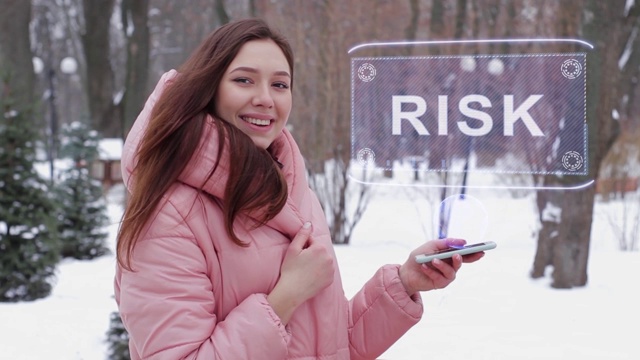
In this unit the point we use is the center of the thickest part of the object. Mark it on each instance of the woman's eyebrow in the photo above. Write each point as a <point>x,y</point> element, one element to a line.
<point>282,73</point>
<point>255,71</point>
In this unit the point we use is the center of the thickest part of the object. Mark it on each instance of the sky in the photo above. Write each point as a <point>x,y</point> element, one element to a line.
<point>493,310</point>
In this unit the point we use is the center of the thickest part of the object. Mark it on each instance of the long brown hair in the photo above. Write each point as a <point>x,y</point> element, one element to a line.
<point>173,136</point>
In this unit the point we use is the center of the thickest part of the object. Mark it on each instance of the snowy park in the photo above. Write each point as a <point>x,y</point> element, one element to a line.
<point>495,100</point>
<point>493,310</point>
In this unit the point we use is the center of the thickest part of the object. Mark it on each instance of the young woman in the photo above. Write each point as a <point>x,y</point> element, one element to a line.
<point>224,251</point>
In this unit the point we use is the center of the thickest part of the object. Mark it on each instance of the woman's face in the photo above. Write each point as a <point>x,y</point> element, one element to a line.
<point>255,91</point>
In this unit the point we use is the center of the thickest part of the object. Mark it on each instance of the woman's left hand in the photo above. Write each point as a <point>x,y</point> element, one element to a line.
<point>436,274</point>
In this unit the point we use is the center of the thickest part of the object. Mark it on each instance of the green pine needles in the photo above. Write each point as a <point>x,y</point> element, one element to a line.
<point>41,222</point>
<point>82,212</point>
<point>29,246</point>
<point>117,339</point>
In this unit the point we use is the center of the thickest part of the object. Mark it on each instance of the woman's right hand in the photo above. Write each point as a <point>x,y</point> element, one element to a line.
<point>308,267</point>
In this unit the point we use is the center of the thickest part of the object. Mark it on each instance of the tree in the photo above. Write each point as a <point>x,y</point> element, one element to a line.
<point>221,12</point>
<point>117,339</point>
<point>100,75</point>
<point>564,239</point>
<point>82,213</point>
<point>15,51</point>
<point>29,247</point>
<point>136,31</point>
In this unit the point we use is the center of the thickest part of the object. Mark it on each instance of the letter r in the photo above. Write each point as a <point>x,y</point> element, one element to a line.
<point>412,116</point>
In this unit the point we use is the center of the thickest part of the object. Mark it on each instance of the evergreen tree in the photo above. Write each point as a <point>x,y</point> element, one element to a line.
<point>117,339</point>
<point>29,248</point>
<point>83,212</point>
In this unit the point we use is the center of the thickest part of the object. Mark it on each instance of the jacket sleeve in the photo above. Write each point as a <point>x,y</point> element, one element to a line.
<point>380,313</point>
<point>167,305</point>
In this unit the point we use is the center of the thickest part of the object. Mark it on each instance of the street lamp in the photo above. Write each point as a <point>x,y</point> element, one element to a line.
<point>495,67</point>
<point>38,68</point>
<point>468,65</point>
<point>69,67</point>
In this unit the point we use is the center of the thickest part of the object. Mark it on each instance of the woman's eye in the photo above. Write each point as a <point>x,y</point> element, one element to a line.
<point>281,85</point>
<point>242,80</point>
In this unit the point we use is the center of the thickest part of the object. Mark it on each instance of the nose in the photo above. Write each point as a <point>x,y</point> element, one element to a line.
<point>263,97</point>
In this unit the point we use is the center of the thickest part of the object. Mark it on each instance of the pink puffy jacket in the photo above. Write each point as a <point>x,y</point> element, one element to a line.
<point>195,294</point>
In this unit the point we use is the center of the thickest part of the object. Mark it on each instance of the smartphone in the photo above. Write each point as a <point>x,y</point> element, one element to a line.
<point>464,250</point>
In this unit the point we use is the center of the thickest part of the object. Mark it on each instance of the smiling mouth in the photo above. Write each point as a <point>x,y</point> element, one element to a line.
<point>254,121</point>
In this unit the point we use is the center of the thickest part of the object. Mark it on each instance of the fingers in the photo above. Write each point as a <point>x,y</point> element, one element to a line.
<point>456,262</point>
<point>441,244</point>
<point>299,242</point>
<point>439,272</point>
<point>448,271</point>
<point>473,257</point>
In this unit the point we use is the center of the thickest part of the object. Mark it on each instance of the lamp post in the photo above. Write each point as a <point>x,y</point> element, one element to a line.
<point>495,67</point>
<point>69,67</point>
<point>39,68</point>
<point>468,65</point>
<point>53,119</point>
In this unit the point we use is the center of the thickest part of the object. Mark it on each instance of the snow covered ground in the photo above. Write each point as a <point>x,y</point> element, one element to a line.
<point>492,311</point>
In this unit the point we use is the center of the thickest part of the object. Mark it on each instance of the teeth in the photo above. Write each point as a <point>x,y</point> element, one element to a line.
<point>255,121</point>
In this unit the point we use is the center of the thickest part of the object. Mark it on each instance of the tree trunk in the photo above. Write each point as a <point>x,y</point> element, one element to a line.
<point>571,250</point>
<point>100,76</point>
<point>253,11</point>
<point>461,19</point>
<point>16,64</point>
<point>138,43</point>
<point>608,29</point>
<point>411,30</point>
<point>221,12</point>
<point>437,27</point>
<point>548,234</point>
<point>557,246</point>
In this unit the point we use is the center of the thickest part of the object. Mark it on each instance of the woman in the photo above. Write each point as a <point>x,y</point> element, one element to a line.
<point>224,251</point>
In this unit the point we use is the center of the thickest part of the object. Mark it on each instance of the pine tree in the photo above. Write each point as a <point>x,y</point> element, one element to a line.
<point>117,339</point>
<point>83,211</point>
<point>29,248</point>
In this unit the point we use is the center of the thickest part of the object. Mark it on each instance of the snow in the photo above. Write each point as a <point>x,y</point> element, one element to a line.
<point>552,213</point>
<point>627,6</point>
<point>59,165</point>
<point>38,65</point>
<point>494,310</point>
<point>117,98</point>
<point>110,149</point>
<point>628,49</point>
